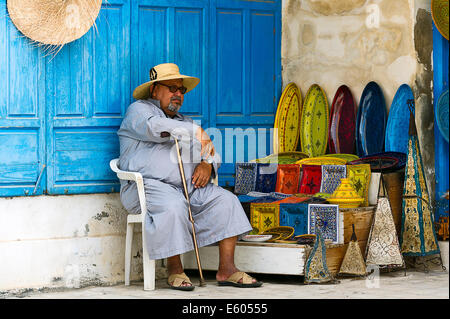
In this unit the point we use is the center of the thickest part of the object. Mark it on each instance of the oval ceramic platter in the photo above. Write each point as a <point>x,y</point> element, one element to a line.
<point>441,114</point>
<point>370,121</point>
<point>314,122</point>
<point>287,120</point>
<point>439,13</point>
<point>396,137</point>
<point>342,122</point>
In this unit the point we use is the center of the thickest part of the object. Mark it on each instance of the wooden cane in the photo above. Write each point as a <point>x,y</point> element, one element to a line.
<point>186,194</point>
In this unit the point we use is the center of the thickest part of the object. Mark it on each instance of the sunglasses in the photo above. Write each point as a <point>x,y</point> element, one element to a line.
<point>174,88</point>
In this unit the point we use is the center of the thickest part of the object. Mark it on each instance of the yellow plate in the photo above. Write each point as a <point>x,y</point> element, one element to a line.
<point>347,157</point>
<point>322,160</point>
<point>439,13</point>
<point>314,122</point>
<point>281,158</point>
<point>287,120</point>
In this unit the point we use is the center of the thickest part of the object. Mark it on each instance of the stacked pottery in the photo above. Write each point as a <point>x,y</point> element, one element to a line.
<point>345,195</point>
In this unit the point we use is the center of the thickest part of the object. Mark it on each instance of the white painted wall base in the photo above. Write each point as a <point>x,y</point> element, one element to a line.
<point>443,246</point>
<point>265,258</point>
<point>69,241</point>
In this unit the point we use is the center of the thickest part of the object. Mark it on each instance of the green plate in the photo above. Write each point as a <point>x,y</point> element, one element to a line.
<point>314,122</point>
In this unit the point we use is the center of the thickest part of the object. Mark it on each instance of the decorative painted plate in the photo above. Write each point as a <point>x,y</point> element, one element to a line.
<point>346,157</point>
<point>285,232</point>
<point>342,122</point>
<point>396,137</point>
<point>282,158</point>
<point>439,13</point>
<point>314,122</point>
<point>441,114</point>
<point>287,120</point>
<point>322,160</point>
<point>370,121</point>
<point>378,163</point>
<point>398,155</point>
<point>257,238</point>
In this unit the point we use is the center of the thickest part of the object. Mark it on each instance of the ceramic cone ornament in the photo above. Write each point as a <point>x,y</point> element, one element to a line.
<point>418,237</point>
<point>382,246</point>
<point>353,263</point>
<point>316,270</point>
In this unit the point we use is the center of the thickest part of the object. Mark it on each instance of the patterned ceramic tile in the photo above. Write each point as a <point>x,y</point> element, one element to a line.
<point>295,215</point>
<point>359,176</point>
<point>245,178</point>
<point>311,179</point>
<point>326,218</point>
<point>331,177</point>
<point>287,178</point>
<point>264,215</point>
<point>266,177</point>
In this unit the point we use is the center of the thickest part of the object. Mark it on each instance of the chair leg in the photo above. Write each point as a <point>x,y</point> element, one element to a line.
<point>128,245</point>
<point>149,266</point>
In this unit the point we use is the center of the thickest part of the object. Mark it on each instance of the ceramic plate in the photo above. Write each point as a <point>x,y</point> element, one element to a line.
<point>258,238</point>
<point>342,122</point>
<point>314,122</point>
<point>370,121</point>
<point>378,163</point>
<point>398,155</point>
<point>441,114</point>
<point>345,157</point>
<point>287,120</point>
<point>396,137</point>
<point>439,13</point>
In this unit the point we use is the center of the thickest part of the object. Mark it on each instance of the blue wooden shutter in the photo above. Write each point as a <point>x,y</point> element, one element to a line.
<point>245,76</point>
<point>22,112</point>
<point>87,94</point>
<point>173,31</point>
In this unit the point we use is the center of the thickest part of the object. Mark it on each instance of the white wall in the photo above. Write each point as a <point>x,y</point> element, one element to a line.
<point>64,241</point>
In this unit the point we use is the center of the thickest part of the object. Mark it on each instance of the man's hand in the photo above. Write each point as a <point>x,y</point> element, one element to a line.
<point>207,145</point>
<point>202,175</point>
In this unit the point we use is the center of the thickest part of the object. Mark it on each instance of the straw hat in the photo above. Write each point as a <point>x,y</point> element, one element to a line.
<point>53,22</point>
<point>162,72</point>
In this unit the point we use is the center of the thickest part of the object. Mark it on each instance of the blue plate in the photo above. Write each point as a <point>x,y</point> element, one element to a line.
<point>396,137</point>
<point>371,121</point>
<point>441,114</point>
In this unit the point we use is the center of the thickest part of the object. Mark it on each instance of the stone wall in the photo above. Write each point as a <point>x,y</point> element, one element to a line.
<point>353,42</point>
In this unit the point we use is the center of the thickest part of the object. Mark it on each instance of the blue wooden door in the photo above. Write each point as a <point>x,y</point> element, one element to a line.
<point>62,112</point>
<point>87,93</point>
<point>245,79</point>
<point>22,112</point>
<point>173,31</point>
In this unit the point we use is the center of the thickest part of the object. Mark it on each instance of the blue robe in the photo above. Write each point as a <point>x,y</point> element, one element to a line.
<point>145,148</point>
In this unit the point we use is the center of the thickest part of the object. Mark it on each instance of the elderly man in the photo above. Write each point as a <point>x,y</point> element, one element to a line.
<point>147,146</point>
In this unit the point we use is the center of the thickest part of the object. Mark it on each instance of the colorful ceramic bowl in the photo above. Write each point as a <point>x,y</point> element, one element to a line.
<point>345,195</point>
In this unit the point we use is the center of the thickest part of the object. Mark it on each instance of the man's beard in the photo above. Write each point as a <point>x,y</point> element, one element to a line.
<point>174,107</point>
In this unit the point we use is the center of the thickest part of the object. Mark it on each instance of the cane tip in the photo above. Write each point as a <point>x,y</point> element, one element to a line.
<point>202,283</point>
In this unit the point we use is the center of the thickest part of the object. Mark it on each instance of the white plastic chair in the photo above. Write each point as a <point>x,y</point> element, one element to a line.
<point>148,264</point>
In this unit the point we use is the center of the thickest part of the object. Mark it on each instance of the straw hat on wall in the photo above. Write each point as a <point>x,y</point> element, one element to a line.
<point>53,22</point>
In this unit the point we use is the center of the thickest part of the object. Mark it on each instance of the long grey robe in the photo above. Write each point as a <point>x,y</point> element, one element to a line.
<point>217,212</point>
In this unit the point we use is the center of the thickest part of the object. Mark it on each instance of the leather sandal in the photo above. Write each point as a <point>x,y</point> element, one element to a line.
<point>247,281</point>
<point>176,281</point>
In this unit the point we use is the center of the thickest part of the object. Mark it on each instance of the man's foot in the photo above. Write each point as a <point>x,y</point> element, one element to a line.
<point>180,282</point>
<point>234,277</point>
<point>240,279</point>
<point>176,273</point>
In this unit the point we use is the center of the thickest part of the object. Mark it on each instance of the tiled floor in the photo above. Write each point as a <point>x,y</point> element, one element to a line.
<point>391,285</point>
